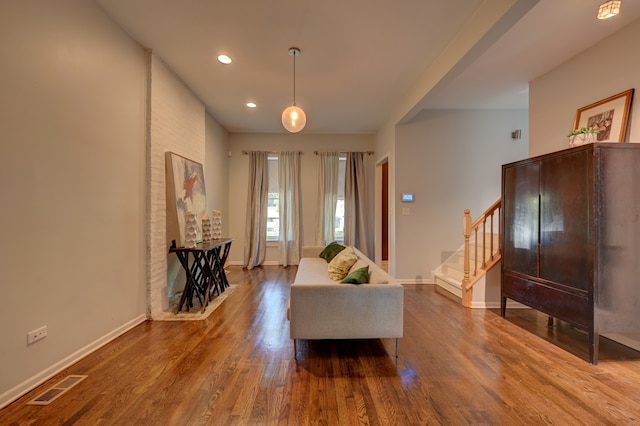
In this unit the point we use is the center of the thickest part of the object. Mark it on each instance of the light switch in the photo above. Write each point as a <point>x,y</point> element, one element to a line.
<point>406,211</point>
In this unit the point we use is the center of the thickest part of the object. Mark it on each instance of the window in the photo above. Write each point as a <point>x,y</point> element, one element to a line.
<point>273,202</point>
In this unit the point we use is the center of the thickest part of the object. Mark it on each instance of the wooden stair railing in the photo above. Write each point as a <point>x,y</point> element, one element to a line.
<point>482,263</point>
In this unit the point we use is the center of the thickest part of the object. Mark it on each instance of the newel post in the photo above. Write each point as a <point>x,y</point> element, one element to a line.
<point>466,290</point>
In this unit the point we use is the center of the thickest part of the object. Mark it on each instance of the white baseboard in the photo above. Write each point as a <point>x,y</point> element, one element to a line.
<point>414,281</point>
<point>17,391</point>
<point>486,305</point>
<point>512,304</point>
<point>241,263</point>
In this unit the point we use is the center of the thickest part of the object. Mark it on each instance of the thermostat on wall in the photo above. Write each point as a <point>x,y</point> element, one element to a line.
<point>407,198</point>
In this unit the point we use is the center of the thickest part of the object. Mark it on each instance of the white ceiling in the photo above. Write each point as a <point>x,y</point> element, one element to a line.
<point>361,59</point>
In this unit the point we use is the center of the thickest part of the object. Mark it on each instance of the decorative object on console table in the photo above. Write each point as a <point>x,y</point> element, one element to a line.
<point>216,225</point>
<point>191,230</point>
<point>570,237</point>
<point>206,229</point>
<point>609,117</point>
<point>184,191</point>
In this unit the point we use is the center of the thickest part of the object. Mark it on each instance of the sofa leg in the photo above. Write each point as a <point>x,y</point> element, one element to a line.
<point>397,347</point>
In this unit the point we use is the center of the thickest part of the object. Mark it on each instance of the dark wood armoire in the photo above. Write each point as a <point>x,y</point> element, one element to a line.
<point>571,237</point>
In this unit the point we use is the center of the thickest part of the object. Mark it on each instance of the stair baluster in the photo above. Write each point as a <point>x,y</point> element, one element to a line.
<point>472,228</point>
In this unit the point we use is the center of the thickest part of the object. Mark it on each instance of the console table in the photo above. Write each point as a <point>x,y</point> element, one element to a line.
<point>205,274</point>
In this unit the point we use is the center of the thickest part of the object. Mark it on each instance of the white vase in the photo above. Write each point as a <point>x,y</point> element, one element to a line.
<point>206,229</point>
<point>190,229</point>
<point>216,224</point>
<point>582,139</point>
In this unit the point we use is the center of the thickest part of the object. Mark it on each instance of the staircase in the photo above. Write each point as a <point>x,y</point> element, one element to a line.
<point>450,275</point>
<point>470,273</point>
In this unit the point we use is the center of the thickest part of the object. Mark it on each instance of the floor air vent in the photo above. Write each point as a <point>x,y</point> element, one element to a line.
<point>55,391</point>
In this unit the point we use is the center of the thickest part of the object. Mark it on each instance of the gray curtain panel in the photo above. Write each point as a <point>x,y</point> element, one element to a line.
<point>355,204</point>
<point>328,168</point>
<point>290,199</point>
<point>255,239</point>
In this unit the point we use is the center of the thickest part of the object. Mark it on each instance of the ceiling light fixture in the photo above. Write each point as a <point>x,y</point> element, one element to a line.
<point>224,59</point>
<point>294,118</point>
<point>609,9</point>
<point>251,104</point>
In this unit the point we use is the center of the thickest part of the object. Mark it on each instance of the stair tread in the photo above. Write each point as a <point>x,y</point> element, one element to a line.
<point>448,278</point>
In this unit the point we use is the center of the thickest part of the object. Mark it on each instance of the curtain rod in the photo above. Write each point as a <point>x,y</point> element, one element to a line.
<point>346,152</point>
<point>268,152</point>
<point>315,152</point>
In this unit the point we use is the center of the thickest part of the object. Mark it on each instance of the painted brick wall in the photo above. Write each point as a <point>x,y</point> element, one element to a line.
<point>177,124</point>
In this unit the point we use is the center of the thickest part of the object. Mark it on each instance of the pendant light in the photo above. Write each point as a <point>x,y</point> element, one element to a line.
<point>294,118</point>
<point>609,9</point>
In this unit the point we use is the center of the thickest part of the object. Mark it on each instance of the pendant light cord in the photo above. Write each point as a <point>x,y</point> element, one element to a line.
<point>294,79</point>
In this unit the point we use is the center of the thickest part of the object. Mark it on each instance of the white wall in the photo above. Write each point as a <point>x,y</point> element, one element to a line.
<point>607,68</point>
<point>177,125</point>
<point>239,172</point>
<point>216,168</point>
<point>72,182</point>
<point>451,160</point>
<point>385,151</point>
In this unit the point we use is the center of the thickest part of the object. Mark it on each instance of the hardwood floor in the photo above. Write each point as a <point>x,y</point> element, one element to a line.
<point>455,367</point>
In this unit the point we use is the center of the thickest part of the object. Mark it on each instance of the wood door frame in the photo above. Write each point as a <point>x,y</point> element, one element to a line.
<point>379,214</point>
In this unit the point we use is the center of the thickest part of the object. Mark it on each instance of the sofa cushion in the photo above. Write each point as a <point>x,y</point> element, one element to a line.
<point>378,276</point>
<point>340,265</point>
<point>360,263</point>
<point>359,276</point>
<point>312,270</point>
<point>331,250</point>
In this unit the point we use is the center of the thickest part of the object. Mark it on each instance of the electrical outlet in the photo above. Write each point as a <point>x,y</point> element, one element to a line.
<point>37,334</point>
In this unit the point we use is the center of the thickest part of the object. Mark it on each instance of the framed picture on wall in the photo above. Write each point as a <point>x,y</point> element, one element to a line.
<point>184,191</point>
<point>609,117</point>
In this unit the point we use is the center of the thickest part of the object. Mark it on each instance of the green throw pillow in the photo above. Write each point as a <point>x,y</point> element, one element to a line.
<point>331,250</point>
<point>359,276</point>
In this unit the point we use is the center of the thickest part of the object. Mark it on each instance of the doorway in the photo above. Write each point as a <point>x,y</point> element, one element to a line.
<point>382,214</point>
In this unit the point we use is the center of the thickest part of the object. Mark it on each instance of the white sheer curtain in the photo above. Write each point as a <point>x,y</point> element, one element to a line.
<point>328,167</point>
<point>356,208</point>
<point>255,239</point>
<point>290,230</point>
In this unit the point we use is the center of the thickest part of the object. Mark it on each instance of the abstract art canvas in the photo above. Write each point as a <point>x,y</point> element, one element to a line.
<point>185,191</point>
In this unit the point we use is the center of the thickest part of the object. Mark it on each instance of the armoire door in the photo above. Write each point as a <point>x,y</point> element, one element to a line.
<point>520,218</point>
<point>566,193</point>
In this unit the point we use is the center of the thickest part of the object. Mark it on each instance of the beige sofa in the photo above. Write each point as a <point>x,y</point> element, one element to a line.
<point>320,308</point>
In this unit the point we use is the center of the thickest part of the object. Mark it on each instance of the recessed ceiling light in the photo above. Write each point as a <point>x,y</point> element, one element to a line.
<point>224,59</point>
<point>251,104</point>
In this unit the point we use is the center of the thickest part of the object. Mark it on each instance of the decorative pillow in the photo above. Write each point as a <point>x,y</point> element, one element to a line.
<point>359,276</point>
<point>340,265</point>
<point>331,250</point>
